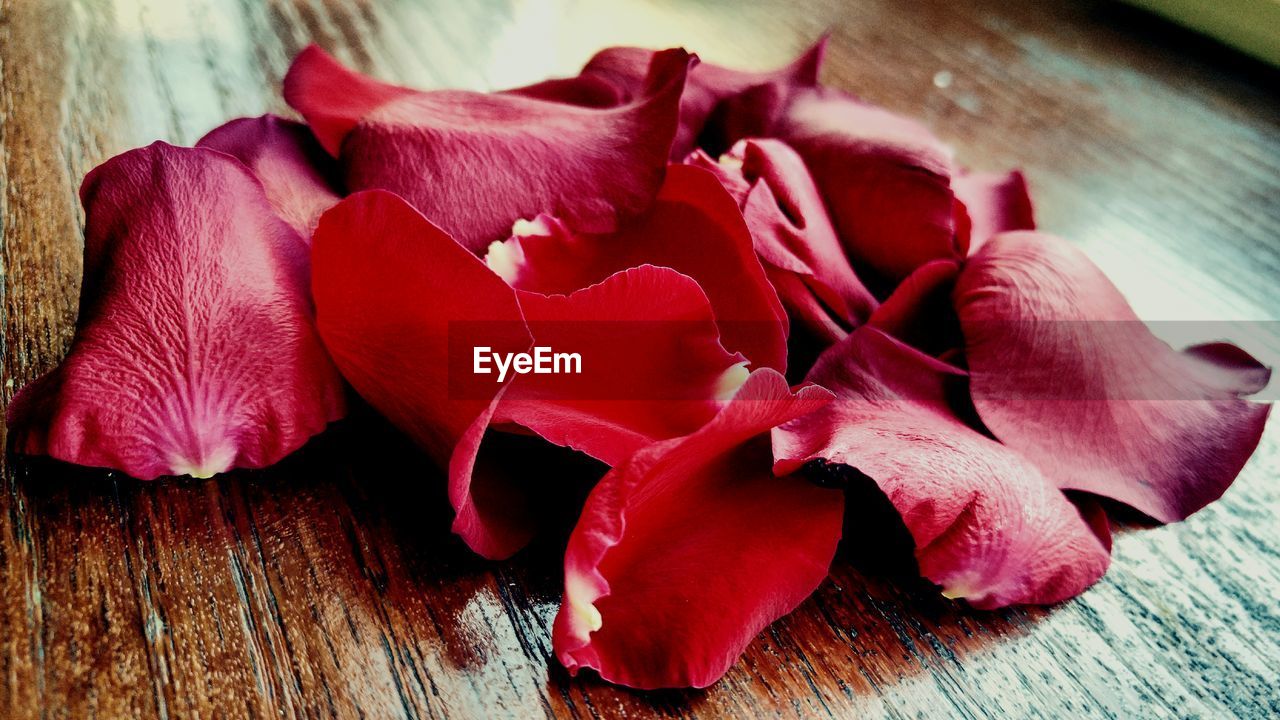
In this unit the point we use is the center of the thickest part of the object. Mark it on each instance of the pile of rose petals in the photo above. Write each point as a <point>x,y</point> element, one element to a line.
<point>698,235</point>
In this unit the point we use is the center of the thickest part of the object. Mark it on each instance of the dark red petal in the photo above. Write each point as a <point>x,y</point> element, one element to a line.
<point>652,364</point>
<point>1064,372</point>
<point>586,90</point>
<point>793,235</point>
<point>400,305</point>
<point>1095,516</point>
<point>687,551</point>
<point>474,163</point>
<point>727,169</point>
<point>919,312</point>
<point>294,169</point>
<point>995,203</point>
<point>393,293</point>
<point>694,227</point>
<point>195,350</point>
<point>333,99</point>
<point>616,75</point>
<point>1229,368</point>
<point>885,178</point>
<point>516,485</point>
<point>624,68</point>
<point>987,525</point>
<point>494,515</point>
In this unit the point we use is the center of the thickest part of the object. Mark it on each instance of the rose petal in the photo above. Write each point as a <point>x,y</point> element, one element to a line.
<point>332,98</point>
<point>624,69</point>
<point>594,91</point>
<point>1229,368</point>
<point>691,548</point>
<point>1095,516</point>
<point>298,176</point>
<point>652,368</point>
<point>987,525</point>
<point>195,350</point>
<point>694,227</point>
<point>476,162</point>
<point>995,203</point>
<point>728,170</point>
<point>885,178</point>
<point>793,235</point>
<point>1064,372</point>
<point>392,293</point>
<point>402,307</point>
<point>508,484</point>
<point>616,75</point>
<point>919,312</point>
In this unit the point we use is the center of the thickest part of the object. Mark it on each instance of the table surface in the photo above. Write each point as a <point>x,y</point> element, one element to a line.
<point>330,586</point>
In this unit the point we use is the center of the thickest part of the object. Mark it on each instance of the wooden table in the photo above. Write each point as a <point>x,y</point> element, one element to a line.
<point>330,586</point>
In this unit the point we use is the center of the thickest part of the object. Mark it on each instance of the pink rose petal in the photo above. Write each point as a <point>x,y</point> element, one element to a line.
<point>195,350</point>
<point>987,525</point>
<point>995,203</point>
<point>390,291</point>
<point>793,236</point>
<point>1065,373</point>
<point>885,178</point>
<point>653,366</point>
<point>617,74</point>
<point>298,176</point>
<point>474,162</point>
<point>919,312</point>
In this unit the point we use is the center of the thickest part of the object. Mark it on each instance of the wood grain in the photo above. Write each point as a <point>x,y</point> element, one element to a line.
<point>330,587</point>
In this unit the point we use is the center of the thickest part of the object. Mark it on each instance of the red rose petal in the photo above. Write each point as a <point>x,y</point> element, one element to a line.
<point>474,162</point>
<point>727,169</point>
<point>885,178</point>
<point>294,169</point>
<point>195,350</point>
<point>652,368</point>
<point>1227,367</point>
<point>332,98</point>
<point>995,203</point>
<point>919,312</point>
<point>490,498</point>
<point>1064,372</point>
<point>987,525</point>
<point>393,292</point>
<point>593,91</point>
<point>624,69</point>
<point>1095,516</point>
<point>389,287</point>
<point>694,227</point>
<point>793,236</point>
<point>686,552</point>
